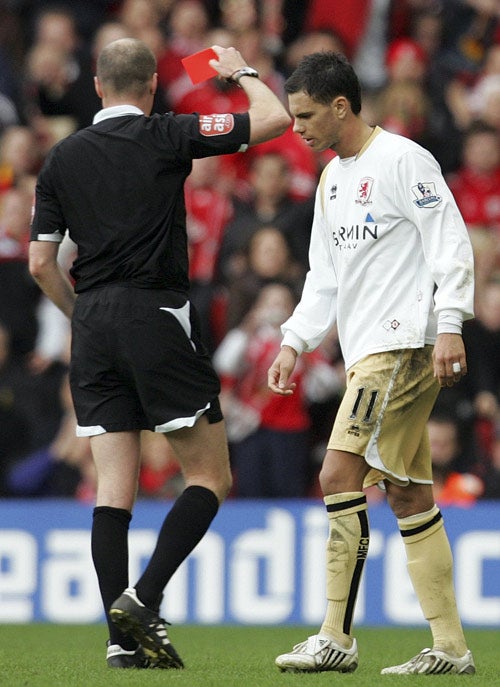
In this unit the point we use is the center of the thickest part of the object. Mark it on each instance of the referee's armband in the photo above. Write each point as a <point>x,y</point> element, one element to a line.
<point>55,237</point>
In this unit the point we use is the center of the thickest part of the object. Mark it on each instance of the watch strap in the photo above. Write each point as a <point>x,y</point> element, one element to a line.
<point>243,71</point>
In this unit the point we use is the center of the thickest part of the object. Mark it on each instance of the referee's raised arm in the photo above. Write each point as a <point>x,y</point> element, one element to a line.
<point>268,116</point>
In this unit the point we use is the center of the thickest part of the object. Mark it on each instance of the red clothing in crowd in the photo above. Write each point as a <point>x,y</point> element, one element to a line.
<point>281,413</point>
<point>478,198</point>
<point>208,212</point>
<point>347,19</point>
<point>459,489</point>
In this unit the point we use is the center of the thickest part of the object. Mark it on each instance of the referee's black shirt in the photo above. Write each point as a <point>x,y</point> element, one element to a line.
<point>117,186</point>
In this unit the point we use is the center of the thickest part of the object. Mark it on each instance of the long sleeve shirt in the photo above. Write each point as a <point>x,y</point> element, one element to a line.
<point>390,258</point>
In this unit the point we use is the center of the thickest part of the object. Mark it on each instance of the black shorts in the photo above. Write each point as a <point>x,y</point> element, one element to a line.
<point>138,362</point>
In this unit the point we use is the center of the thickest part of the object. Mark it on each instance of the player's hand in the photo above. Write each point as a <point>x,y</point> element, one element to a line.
<point>450,364</point>
<point>281,370</point>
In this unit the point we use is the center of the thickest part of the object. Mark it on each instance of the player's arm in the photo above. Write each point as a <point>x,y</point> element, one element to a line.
<point>49,276</point>
<point>268,116</point>
<point>449,257</point>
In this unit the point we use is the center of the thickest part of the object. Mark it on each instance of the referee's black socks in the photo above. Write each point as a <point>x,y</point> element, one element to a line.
<point>110,555</point>
<point>184,526</point>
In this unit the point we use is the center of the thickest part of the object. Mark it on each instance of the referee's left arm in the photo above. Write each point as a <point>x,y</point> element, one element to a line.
<point>49,276</point>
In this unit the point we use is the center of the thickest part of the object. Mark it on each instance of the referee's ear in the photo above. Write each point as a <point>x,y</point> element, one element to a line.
<point>154,83</point>
<point>97,86</point>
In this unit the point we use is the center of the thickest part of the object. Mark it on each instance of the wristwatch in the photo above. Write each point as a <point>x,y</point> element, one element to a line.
<point>244,71</point>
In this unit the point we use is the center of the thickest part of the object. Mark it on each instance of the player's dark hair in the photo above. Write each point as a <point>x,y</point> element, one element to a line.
<point>126,66</point>
<point>324,76</point>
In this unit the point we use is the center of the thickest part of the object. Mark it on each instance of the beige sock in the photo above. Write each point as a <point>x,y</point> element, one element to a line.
<point>430,565</point>
<point>346,552</point>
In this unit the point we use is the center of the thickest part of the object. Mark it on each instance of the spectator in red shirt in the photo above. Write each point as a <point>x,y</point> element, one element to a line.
<point>476,184</point>
<point>208,211</point>
<point>476,187</point>
<point>269,435</point>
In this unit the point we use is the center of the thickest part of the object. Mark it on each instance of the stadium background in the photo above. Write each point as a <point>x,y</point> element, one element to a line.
<point>406,60</point>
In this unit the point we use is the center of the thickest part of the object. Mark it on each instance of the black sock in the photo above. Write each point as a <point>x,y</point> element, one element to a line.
<point>182,529</point>
<point>110,556</point>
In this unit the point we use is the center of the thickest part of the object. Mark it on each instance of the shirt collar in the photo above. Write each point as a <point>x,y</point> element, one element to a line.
<point>116,111</point>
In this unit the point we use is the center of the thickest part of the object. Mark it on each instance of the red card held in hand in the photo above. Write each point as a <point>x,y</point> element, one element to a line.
<point>197,65</point>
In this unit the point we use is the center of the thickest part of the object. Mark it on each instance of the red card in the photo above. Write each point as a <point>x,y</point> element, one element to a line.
<point>197,65</point>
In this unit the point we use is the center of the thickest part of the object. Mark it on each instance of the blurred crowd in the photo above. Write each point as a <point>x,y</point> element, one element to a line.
<point>429,69</point>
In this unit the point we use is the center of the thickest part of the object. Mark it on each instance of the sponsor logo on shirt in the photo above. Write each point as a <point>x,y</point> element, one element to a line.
<point>333,192</point>
<point>348,238</point>
<point>216,124</point>
<point>364,191</point>
<point>425,194</point>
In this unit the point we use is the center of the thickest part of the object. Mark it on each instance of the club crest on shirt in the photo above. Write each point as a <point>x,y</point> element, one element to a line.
<point>364,191</point>
<point>426,196</point>
<point>216,124</point>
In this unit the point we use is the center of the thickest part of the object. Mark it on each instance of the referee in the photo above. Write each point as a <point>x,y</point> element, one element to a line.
<point>137,361</point>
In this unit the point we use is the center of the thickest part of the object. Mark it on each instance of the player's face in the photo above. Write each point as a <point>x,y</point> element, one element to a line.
<point>316,124</point>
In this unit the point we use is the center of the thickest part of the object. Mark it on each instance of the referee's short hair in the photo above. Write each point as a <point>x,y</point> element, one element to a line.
<point>126,66</point>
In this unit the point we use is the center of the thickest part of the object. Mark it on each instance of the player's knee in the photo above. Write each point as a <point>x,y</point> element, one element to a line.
<point>409,500</point>
<point>341,472</point>
<point>332,481</point>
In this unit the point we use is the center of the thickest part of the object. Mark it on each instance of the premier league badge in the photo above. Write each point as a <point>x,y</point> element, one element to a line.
<point>426,196</point>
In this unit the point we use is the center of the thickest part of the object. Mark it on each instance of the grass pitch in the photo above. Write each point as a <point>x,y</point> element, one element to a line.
<point>46,655</point>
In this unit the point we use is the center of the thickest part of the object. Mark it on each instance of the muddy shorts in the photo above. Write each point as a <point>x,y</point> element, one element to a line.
<point>383,415</point>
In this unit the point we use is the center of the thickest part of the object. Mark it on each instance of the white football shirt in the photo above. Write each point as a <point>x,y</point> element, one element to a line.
<point>390,257</point>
